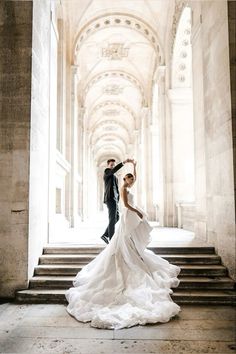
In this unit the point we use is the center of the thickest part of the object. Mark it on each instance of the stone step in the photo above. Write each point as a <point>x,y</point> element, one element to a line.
<point>206,283</point>
<point>97,249</point>
<point>173,258</point>
<point>57,296</point>
<point>210,297</point>
<point>73,269</point>
<point>60,282</point>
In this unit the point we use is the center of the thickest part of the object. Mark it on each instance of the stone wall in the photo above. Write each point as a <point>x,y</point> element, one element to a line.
<point>23,139</point>
<point>232,56</point>
<point>213,129</point>
<point>15,99</point>
<point>39,133</point>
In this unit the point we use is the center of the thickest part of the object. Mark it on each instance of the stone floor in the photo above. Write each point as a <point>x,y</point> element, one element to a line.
<point>50,329</point>
<point>88,233</point>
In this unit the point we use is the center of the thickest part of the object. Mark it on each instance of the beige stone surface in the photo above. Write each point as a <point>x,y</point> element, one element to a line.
<point>27,189</point>
<point>50,329</point>
<point>215,200</point>
<point>15,92</point>
<point>39,133</point>
<point>24,124</point>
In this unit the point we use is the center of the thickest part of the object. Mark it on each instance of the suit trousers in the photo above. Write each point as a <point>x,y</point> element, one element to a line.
<point>113,214</point>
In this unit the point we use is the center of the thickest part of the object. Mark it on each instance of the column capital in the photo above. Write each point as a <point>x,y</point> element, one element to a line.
<point>159,74</point>
<point>145,110</point>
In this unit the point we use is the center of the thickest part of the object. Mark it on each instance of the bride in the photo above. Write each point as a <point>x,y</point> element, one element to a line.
<point>126,284</point>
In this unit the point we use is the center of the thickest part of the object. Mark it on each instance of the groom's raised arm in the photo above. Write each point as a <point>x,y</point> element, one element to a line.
<point>110,171</point>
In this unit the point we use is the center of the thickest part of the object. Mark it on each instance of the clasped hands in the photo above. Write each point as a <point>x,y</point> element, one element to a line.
<point>131,161</point>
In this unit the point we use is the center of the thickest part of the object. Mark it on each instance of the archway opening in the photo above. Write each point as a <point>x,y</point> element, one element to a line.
<point>105,103</point>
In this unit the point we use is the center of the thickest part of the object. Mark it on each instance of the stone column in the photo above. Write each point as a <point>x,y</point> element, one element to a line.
<point>138,167</point>
<point>183,146</point>
<point>213,129</point>
<point>154,170</point>
<point>199,124</point>
<point>86,162</point>
<point>80,162</point>
<point>24,123</point>
<point>148,160</point>
<point>74,149</point>
<point>143,158</point>
<point>165,202</point>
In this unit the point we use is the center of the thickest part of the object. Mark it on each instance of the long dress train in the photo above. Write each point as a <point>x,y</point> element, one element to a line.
<point>126,284</point>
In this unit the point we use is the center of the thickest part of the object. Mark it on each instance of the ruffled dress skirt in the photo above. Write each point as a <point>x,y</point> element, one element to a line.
<point>126,284</point>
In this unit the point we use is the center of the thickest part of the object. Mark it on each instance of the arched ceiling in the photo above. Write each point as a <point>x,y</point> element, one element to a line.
<point>117,45</point>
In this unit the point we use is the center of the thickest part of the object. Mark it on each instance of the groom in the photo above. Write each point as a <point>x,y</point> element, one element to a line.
<point>111,196</point>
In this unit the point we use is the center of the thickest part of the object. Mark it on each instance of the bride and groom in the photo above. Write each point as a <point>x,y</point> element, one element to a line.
<point>126,284</point>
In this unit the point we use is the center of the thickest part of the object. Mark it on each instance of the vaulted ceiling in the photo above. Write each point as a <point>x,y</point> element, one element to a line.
<point>117,46</point>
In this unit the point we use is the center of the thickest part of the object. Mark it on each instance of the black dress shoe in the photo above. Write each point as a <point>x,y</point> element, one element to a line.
<point>103,237</point>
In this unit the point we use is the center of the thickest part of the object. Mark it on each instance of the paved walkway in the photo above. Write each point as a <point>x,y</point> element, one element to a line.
<point>88,233</point>
<point>50,329</point>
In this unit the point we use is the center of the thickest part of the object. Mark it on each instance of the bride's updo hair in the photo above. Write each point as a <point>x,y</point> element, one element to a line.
<point>128,175</point>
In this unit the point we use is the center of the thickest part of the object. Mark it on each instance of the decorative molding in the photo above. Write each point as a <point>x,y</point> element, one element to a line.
<point>179,6</point>
<point>102,123</point>
<point>115,51</point>
<point>181,56</point>
<point>111,112</point>
<point>159,74</point>
<point>115,74</point>
<point>110,128</point>
<point>113,103</point>
<point>109,147</point>
<point>112,89</point>
<point>108,138</point>
<point>120,20</point>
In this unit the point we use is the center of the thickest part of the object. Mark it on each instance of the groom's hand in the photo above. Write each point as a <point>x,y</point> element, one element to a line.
<point>128,160</point>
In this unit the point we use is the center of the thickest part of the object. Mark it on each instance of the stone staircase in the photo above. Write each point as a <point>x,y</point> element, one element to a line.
<point>203,279</point>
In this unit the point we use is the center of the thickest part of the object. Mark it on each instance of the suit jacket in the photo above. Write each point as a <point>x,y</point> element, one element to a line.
<point>111,190</point>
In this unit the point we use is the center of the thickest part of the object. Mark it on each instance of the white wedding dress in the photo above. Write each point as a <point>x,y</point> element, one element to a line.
<point>126,284</point>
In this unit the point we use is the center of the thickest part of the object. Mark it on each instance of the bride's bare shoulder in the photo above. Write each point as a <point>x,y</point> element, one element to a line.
<point>123,189</point>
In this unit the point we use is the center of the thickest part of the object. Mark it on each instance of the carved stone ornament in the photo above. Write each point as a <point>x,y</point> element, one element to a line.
<point>112,89</point>
<point>111,112</point>
<point>115,51</point>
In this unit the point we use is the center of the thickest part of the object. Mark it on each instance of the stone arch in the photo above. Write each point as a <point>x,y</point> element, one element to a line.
<point>104,135</point>
<point>110,146</point>
<point>115,74</point>
<point>181,65</point>
<point>114,103</point>
<point>117,123</point>
<point>179,7</point>
<point>120,20</point>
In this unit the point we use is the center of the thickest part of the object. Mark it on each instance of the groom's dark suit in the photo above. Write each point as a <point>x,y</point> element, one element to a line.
<point>111,198</point>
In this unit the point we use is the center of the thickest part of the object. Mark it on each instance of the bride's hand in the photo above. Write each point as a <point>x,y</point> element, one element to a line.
<point>140,214</point>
